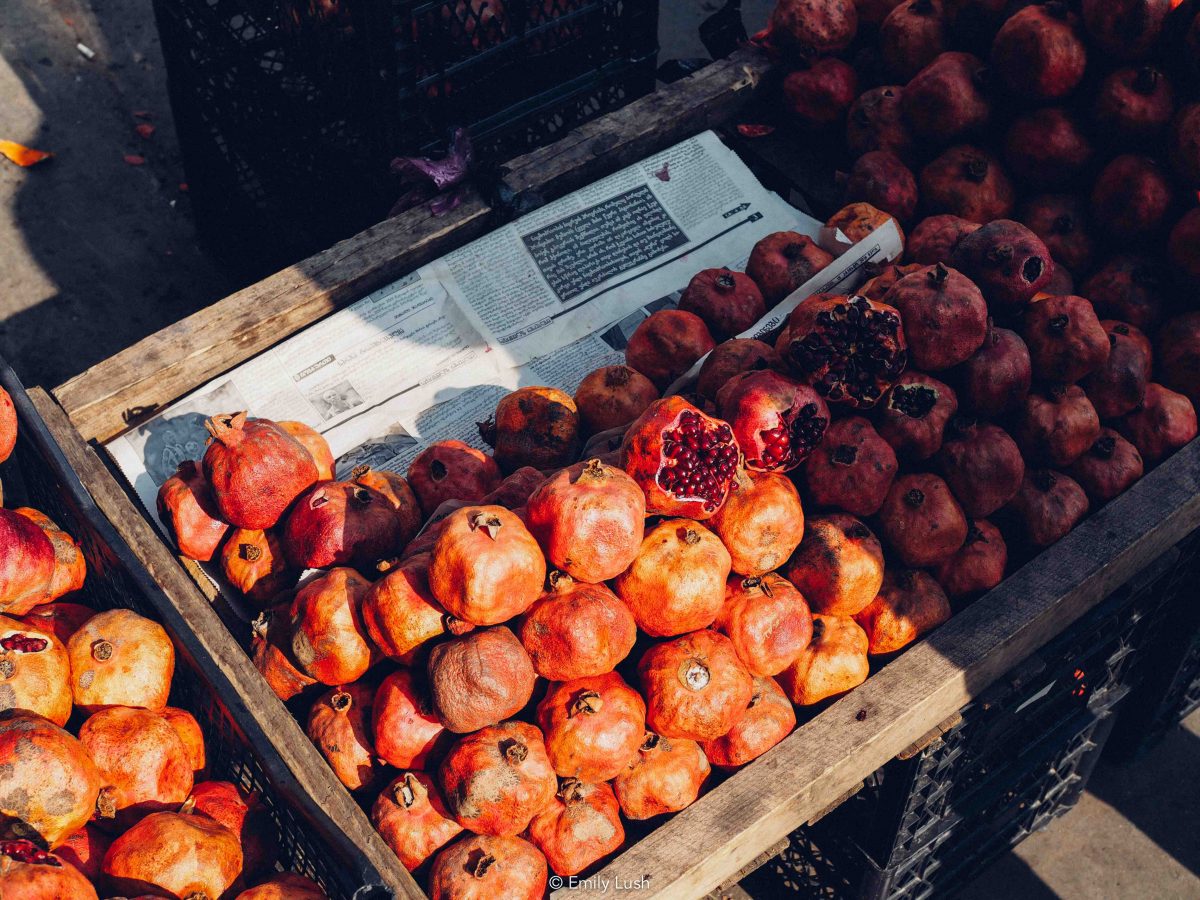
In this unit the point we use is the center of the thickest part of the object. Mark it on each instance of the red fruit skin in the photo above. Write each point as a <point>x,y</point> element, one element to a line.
<point>1007,261</point>
<point>978,565</point>
<point>400,614</point>
<point>922,521</point>
<point>580,826</point>
<point>1039,53</point>
<point>174,854</point>
<point>188,510</point>
<point>70,568</point>
<point>189,732</point>
<point>85,851</point>
<point>28,873</point>
<point>912,36</point>
<point>783,261</point>
<point>479,679</point>
<point>1119,385</point>
<point>768,719</point>
<point>982,466</point>
<point>1130,288</point>
<point>457,875</point>
<point>1161,425</point>
<point>613,396</point>
<point>728,302</point>
<point>934,239</point>
<point>876,121</point>
<point>222,802</point>
<point>879,284</point>
<point>767,620</point>
<point>1125,29</point>
<point>761,523</point>
<point>913,415</point>
<point>731,358</point>
<point>8,425</point>
<point>451,470</point>
<point>1065,339</point>
<point>1061,222</point>
<point>819,96</point>
<point>577,630</point>
<point>1185,145</point>
<point>813,28</point>
<point>328,639</point>
<point>852,469</point>
<point>666,776</point>
<point>592,726</point>
<point>945,101</point>
<point>337,523</point>
<point>776,420</point>
<point>1109,468</point>
<point>1178,355</point>
<point>1134,104</point>
<point>910,604</point>
<point>945,316</point>
<point>881,179</point>
<point>695,686</point>
<point>26,564</point>
<point>967,182</point>
<point>1048,506</point>
<point>1047,148</point>
<point>412,818</point>
<point>60,619</point>
<point>405,729</point>
<point>873,12</point>
<point>1056,426</point>
<point>1184,243</point>
<point>315,444</point>
<point>339,723</point>
<point>666,344</point>
<point>1131,197</point>
<point>255,469</point>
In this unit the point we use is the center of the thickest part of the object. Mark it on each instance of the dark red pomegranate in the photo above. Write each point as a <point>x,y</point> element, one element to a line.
<point>1039,53</point>
<point>1184,244</point>
<point>255,469</point>
<point>945,101</point>
<point>451,470</point>
<point>1048,506</point>
<point>1161,425</point>
<point>1131,197</point>
<point>188,510</point>
<point>29,873</point>
<point>1185,145</point>
<point>1109,467</point>
<point>728,302</point>
<point>1134,104</point>
<point>1119,385</point>
<point>1061,221</point>
<point>852,469</point>
<point>922,521</point>
<point>776,420</point>
<point>1126,29</point>
<point>978,565</point>
<point>945,316</point>
<point>882,180</point>
<point>682,459</point>
<point>336,523</point>
<point>934,239</point>
<point>613,396</point>
<point>1179,355</point>
<point>1065,339</point>
<point>1129,288</point>
<point>981,464</point>
<point>876,121</point>
<point>967,182</point>
<point>819,96</point>
<point>513,492</point>
<point>913,415</point>
<point>813,28</point>
<point>912,36</point>
<point>666,344</point>
<point>781,262</point>
<point>1056,425</point>
<point>1048,148</point>
<point>1007,261</point>
<point>729,359</point>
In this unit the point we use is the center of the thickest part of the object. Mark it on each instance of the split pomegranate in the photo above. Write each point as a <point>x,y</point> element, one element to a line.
<point>315,444</point>
<point>35,671</point>
<point>776,420</point>
<point>174,853</point>
<point>1109,468</point>
<point>1056,425</point>
<point>613,396</point>
<point>29,873</point>
<point>912,36</point>
<point>1126,29</point>
<point>819,96</point>
<point>1039,52</point>
<point>1048,506</point>
<point>876,121</point>
<point>967,182</point>
<point>981,464</point>
<point>119,658</point>
<point>934,239</point>
<point>339,723</point>
<point>665,776</point>
<point>339,523</point>
<point>881,179</point>
<point>761,523</point>
<point>852,469</point>
<point>833,663</point>
<point>400,614</point>
<point>1161,425</point>
<point>728,302</point>
<point>729,359</point>
<point>1134,104</point>
<point>683,460</point>
<point>1130,288</point>
<point>783,261</point>
<point>27,563</point>
<point>479,679</point>
<point>1007,261</point>
<point>695,686</point>
<point>593,726</point>
<point>978,565</point>
<point>946,100</point>
<point>188,510</point>
<point>666,344</point>
<point>1119,386</point>
<point>61,619</point>
<point>451,470</point>
<point>1131,197</point>
<point>997,378</point>
<point>909,605</point>
<point>412,817</point>
<point>1061,222</point>
<point>1179,355</point>
<point>913,415</point>
<point>254,562</point>
<point>813,28</point>
<point>581,825</point>
<point>577,630</point>
<point>255,469</point>
<point>767,620</point>
<point>327,636</point>
<point>534,426</point>
<point>405,730</point>
<point>921,520</point>
<point>839,565</point>
<point>483,867</point>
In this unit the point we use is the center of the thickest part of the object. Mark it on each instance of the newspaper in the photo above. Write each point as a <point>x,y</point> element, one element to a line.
<point>543,300</point>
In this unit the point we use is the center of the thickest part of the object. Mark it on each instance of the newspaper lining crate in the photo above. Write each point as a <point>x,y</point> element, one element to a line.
<point>827,756</point>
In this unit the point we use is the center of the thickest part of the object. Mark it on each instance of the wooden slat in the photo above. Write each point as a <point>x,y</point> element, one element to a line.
<point>712,839</point>
<point>114,394</point>
<point>271,730</point>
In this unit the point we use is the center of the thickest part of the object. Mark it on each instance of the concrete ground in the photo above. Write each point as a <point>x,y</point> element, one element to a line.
<point>97,251</point>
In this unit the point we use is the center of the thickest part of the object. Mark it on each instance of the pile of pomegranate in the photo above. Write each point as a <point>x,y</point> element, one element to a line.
<point>104,789</point>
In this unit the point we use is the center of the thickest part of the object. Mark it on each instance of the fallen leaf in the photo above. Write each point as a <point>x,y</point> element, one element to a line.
<point>145,130</point>
<point>134,160</point>
<point>22,155</point>
<point>755,131</point>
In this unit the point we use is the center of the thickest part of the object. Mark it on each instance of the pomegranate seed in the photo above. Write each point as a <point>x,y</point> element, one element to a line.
<point>24,643</point>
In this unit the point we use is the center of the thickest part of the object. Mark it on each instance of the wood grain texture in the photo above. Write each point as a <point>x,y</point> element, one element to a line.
<point>914,693</point>
<point>286,754</point>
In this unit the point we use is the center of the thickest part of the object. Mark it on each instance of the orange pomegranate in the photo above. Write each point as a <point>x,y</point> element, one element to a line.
<point>832,664</point>
<point>762,522</point>
<point>399,612</point>
<point>35,671</point>
<point>767,620</point>
<point>188,510</point>
<point>119,658</point>
<point>485,867</point>
<point>909,604</point>
<point>406,730</point>
<point>255,564</point>
<point>579,826</point>
<point>479,679</point>
<point>665,776</point>
<point>288,886</point>
<point>592,726</point>
<point>70,568</point>
<point>315,444</point>
<point>695,686</point>
<point>174,853</point>
<point>768,719</point>
<point>534,426</point>
<point>270,648</point>
<point>8,425</point>
<point>575,630</point>
<point>29,873</point>
<point>328,640</point>
<point>412,818</point>
<point>339,723</point>
<point>838,566</point>
<point>221,801</point>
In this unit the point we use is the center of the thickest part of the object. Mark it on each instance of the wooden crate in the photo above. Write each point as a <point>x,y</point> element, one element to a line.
<point>741,821</point>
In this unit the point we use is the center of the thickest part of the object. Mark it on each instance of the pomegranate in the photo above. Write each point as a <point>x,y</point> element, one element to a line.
<point>174,853</point>
<point>221,801</point>
<point>270,648</point>
<point>913,415</point>
<point>29,873</point>
<point>190,734</point>
<point>1126,29</point>
<point>683,460</point>
<point>479,679</point>
<point>1065,339</point>
<point>695,686</point>
<point>945,317</point>
<point>486,567</point>
<point>857,221</point>
<point>677,582</point>
<point>978,565</point>
<point>1161,425</point>
<point>495,780</point>
<point>873,12</point>
<point>1184,244</point>
<point>767,620</point>
<point>85,850</point>
<point>577,630</point>
<point>1185,145</point>
<point>878,286</point>
<point>876,121</point>
<point>881,179</point>
<point>729,359</point>
<point>399,614</point>
<point>912,36</point>
<point>8,425</point>
<point>934,239</point>
<point>50,782</point>
<point>946,100</point>
<point>997,378</point>
<point>981,464</point>
<point>1061,284</point>
<point>1039,53</point>
<point>1056,425</point>
<point>833,663</point>
<point>761,523</point>
<point>337,523</point>
<point>288,886</point>
<point>1109,468</point>
<point>59,619</point>
<point>581,825</point>
<point>255,564</point>
<point>784,261</point>
<point>728,302</point>
<point>327,637</point>
<point>119,658</point>
<point>593,726</point>
<point>412,817</point>
<point>1179,355</point>
<point>1131,197</point>
<point>819,96</point>
<point>776,420</point>
<point>852,469</point>
<point>1007,261</point>
<point>1119,385</point>
<point>399,496</point>
<point>316,445</point>
<point>1134,104</point>
<point>27,563</point>
<point>451,470</point>
<point>482,867</point>
<point>665,776</point>
<point>967,182</point>
<point>339,723</point>
<point>35,671</point>
<point>1048,506</point>
<point>405,730</point>
<point>839,565</point>
<point>1061,222</point>
<point>921,520</point>
<point>188,510</point>
<point>666,344</point>
<point>1129,288</point>
<point>613,396</point>
<point>514,491</point>
<point>255,469</point>
<point>768,719</point>
<point>534,426</point>
<point>910,604</point>
<point>811,29</point>
<point>70,568</point>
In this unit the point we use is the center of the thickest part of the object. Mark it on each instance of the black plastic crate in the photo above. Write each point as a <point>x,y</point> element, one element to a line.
<point>290,111</point>
<point>39,475</point>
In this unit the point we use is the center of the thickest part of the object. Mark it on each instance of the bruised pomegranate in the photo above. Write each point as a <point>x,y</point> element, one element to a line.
<point>876,121</point>
<point>945,317</point>
<point>1184,244</point>
<point>813,28</point>
<point>819,96</point>
<point>921,520</point>
<point>270,649</point>
<point>909,605</point>
<point>677,581</point>
<point>1109,468</point>
<point>483,867</point>
<point>1061,222</point>
<point>1134,105</point>
<point>534,426</point>
<point>695,686</point>
<point>337,523</point>
<point>593,726</point>
<point>339,723</point>
<point>1185,145</point>
<point>665,776</point>
<point>255,469</point>
<point>27,563</point>
<point>315,444</point>
<point>852,469</point>
<point>1119,385</point>
<point>35,671</point>
<point>495,780</point>
<point>400,614</point>
<point>1065,339</point>
<point>403,725</point>
<point>486,567</point>
<point>967,182</point>
<point>288,886</point>
<point>934,239</point>
<point>839,565</point>
<point>451,470</point>
<point>945,101</point>
<point>328,640</point>
<point>188,510</point>
<point>683,460</point>
<point>981,464</point>
<point>761,523</point>
<point>613,396</point>
<point>29,873</point>
<point>1039,53</point>
<point>178,854</point>
<point>1007,261</point>
<point>912,36</point>
<point>768,719</point>
<point>254,562</point>
<point>913,415</point>
<point>119,658</point>
<point>589,519</point>
<point>978,565</point>
<point>1056,425</point>
<point>728,302</point>
<point>479,679</point>
<point>767,620</point>
<point>85,851</point>
<point>783,261</point>
<point>577,630</point>
<point>881,179</point>
<point>1048,506</point>
<point>395,490</point>
<point>1161,425</point>
<point>59,619</point>
<point>1129,288</point>
<point>581,825</point>
<point>412,817</point>
<point>1179,355</point>
<point>666,344</point>
<point>776,420</point>
<point>857,221</point>
<point>833,663</point>
<point>190,733</point>
<point>729,359</point>
<point>1131,197</point>
<point>997,378</point>
<point>1126,29</point>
